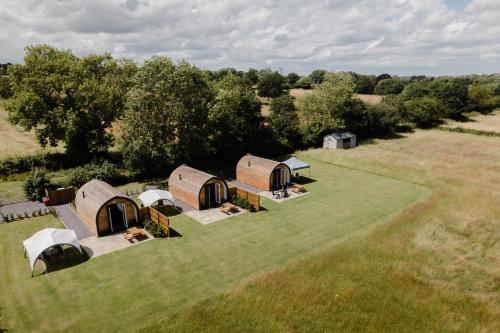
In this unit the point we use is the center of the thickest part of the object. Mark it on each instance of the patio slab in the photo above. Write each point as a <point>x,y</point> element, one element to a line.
<point>207,216</point>
<point>291,196</point>
<point>97,246</point>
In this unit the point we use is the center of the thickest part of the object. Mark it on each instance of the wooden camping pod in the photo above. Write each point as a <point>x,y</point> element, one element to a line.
<point>189,186</point>
<point>96,203</point>
<point>261,172</point>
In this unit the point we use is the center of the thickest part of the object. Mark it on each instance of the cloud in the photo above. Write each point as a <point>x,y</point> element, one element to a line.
<point>396,36</point>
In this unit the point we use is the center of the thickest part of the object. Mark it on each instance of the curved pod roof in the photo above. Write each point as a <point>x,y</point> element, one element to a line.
<point>256,171</point>
<point>185,184</point>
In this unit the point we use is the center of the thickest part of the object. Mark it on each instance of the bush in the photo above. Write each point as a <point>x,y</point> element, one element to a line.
<point>34,186</point>
<point>383,118</point>
<point>105,171</point>
<point>425,112</point>
<point>54,161</point>
<point>392,86</point>
<point>5,90</point>
<point>154,229</point>
<point>243,203</point>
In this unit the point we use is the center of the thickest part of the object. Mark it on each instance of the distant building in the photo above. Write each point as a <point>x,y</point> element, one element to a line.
<point>339,140</point>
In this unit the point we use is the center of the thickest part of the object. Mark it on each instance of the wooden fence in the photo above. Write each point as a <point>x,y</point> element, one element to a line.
<point>253,198</point>
<point>60,196</point>
<point>156,217</point>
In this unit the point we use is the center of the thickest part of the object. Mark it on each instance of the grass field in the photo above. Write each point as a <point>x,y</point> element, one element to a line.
<point>433,268</point>
<point>370,99</point>
<point>481,122</point>
<point>135,287</point>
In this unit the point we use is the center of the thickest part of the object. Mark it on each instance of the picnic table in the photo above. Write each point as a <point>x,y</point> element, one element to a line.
<point>133,232</point>
<point>227,207</point>
<point>297,188</point>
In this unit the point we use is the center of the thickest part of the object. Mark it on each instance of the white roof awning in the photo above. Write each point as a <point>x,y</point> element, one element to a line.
<point>151,196</point>
<point>46,238</point>
<point>295,164</point>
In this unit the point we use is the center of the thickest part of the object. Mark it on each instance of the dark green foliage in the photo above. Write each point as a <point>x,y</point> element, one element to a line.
<point>104,171</point>
<point>416,90</point>
<point>55,161</point>
<point>304,83</point>
<point>382,118</point>
<point>284,120</point>
<point>392,86</point>
<point>167,116</point>
<point>154,228</point>
<point>5,89</point>
<point>67,99</point>
<point>291,79</point>
<point>382,77</point>
<point>364,84</point>
<point>317,76</point>
<point>34,186</point>
<point>234,119</point>
<point>251,77</point>
<point>453,92</point>
<point>425,111</point>
<point>243,203</point>
<point>271,84</point>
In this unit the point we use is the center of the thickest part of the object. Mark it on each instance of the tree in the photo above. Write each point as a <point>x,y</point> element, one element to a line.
<point>364,83</point>
<point>271,84</point>
<point>234,119</point>
<point>284,120</point>
<point>251,77</point>
<point>382,118</point>
<point>34,186</point>
<point>67,99</point>
<point>392,86</point>
<point>318,76</point>
<point>167,114</point>
<point>327,106</point>
<point>484,97</point>
<point>382,77</point>
<point>304,83</point>
<point>291,79</point>
<point>416,90</point>
<point>453,92</point>
<point>5,90</point>
<point>425,111</point>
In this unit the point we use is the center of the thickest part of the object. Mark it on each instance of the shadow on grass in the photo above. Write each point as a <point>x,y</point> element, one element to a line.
<point>174,233</point>
<point>70,258</point>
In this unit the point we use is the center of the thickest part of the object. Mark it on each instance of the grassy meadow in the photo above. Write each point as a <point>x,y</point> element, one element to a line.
<point>136,287</point>
<point>432,268</point>
<point>481,122</point>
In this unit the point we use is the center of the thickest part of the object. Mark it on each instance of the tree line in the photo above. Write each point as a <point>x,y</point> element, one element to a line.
<point>174,112</point>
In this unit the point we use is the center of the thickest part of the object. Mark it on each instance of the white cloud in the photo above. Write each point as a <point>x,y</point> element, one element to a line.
<point>396,36</point>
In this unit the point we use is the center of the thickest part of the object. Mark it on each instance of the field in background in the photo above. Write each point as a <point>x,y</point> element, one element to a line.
<point>434,268</point>
<point>481,122</point>
<point>371,99</point>
<point>155,279</point>
<point>15,141</point>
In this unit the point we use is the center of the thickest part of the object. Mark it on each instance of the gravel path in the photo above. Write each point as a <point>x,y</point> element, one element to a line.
<point>72,221</point>
<point>67,215</point>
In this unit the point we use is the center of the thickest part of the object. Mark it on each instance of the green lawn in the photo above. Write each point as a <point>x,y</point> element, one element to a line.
<point>132,288</point>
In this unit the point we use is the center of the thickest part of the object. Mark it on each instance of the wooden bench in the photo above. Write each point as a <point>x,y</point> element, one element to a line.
<point>297,188</point>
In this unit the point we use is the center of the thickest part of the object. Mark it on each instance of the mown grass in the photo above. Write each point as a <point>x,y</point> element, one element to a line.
<point>433,268</point>
<point>135,287</point>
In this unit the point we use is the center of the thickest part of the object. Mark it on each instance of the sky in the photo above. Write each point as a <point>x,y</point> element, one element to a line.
<point>403,37</point>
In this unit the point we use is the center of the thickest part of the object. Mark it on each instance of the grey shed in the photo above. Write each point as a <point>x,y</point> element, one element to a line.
<point>339,140</point>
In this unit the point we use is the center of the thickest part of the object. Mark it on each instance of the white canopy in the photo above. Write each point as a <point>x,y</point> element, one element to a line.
<point>46,238</point>
<point>151,196</point>
<point>295,164</point>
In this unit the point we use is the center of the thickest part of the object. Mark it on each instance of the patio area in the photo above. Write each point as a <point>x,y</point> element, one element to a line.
<point>207,216</point>
<point>291,195</point>
<point>97,246</point>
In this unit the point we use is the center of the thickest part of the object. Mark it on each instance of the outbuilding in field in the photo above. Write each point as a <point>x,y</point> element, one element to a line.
<point>105,209</point>
<point>262,173</point>
<point>339,140</point>
<point>197,189</point>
